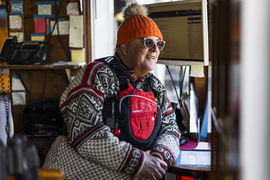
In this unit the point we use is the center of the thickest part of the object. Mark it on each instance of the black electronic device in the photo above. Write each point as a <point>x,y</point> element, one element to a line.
<point>42,117</point>
<point>24,53</point>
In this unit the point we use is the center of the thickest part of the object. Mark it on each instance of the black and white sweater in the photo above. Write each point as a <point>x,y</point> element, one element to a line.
<point>90,150</point>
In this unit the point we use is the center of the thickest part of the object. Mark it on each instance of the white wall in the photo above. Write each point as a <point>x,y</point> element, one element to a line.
<point>103,28</point>
<point>254,89</point>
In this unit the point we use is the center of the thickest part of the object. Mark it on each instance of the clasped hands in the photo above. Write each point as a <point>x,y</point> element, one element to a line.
<point>154,168</point>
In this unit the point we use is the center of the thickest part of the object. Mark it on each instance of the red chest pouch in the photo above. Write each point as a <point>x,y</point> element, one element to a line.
<point>139,117</point>
<point>134,116</point>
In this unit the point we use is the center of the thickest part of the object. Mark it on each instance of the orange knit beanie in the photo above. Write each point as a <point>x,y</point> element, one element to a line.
<point>136,25</point>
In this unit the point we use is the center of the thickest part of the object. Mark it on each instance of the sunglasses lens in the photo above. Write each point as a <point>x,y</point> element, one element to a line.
<point>149,43</point>
<point>160,45</point>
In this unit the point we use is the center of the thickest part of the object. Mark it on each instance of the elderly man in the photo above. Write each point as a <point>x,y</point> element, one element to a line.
<point>119,147</point>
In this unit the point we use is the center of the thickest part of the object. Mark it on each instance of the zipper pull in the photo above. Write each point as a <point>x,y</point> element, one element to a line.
<point>116,131</point>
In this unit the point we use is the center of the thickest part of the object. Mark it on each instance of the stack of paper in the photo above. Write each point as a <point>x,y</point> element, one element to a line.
<point>194,158</point>
<point>76,63</point>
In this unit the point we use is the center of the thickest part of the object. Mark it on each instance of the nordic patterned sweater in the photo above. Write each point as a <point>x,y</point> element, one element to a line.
<point>89,150</point>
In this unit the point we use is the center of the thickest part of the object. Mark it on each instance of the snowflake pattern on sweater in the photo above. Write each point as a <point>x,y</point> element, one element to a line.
<point>92,142</point>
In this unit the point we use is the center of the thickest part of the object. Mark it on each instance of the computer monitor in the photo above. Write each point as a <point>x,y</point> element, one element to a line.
<point>184,26</point>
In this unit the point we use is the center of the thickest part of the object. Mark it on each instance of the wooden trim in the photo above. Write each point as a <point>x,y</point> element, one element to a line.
<point>47,66</point>
<point>191,171</point>
<point>87,30</point>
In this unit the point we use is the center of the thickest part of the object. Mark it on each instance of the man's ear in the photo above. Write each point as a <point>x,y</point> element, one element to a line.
<point>123,48</point>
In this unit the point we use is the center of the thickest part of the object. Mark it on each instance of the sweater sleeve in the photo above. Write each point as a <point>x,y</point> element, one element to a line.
<point>166,145</point>
<point>82,105</point>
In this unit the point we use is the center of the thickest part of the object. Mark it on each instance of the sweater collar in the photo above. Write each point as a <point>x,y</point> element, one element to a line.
<point>130,71</point>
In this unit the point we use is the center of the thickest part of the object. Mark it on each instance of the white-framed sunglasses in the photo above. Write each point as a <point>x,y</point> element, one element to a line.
<point>149,43</point>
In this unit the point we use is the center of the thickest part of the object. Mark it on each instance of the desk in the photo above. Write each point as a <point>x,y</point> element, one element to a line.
<point>191,171</point>
<point>196,169</point>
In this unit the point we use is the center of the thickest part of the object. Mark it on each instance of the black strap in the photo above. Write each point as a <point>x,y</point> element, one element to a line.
<point>116,66</point>
<point>110,113</point>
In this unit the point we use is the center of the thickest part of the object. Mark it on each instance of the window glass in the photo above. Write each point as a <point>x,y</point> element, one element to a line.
<point>173,77</point>
<point>153,1</point>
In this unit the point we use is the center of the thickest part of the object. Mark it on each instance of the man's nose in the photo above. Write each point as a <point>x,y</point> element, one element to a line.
<point>155,47</point>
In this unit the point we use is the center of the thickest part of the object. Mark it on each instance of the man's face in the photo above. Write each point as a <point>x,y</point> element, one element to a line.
<point>142,59</point>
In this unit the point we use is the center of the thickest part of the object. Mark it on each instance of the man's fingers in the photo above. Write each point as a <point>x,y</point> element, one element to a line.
<point>148,151</point>
<point>154,168</point>
<point>144,178</point>
<point>140,177</point>
<point>158,175</point>
<point>164,165</point>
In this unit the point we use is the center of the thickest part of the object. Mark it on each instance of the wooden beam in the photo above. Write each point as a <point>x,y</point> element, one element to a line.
<point>87,30</point>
